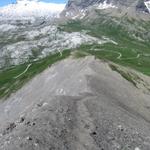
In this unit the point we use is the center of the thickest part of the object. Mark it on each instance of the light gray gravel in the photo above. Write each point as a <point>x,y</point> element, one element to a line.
<point>77,104</point>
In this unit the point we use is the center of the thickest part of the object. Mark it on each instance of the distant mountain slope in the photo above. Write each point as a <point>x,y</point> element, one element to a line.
<point>75,7</point>
<point>122,21</point>
<point>31,8</point>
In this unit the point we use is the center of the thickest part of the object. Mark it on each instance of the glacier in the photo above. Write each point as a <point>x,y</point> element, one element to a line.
<point>30,8</point>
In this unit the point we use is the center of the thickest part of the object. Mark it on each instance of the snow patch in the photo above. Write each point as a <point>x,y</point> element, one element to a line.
<point>137,148</point>
<point>147,4</point>
<point>106,5</point>
<point>109,40</point>
<point>83,15</point>
<point>31,8</point>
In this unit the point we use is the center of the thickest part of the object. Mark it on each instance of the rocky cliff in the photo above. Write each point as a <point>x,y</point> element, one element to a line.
<point>73,7</point>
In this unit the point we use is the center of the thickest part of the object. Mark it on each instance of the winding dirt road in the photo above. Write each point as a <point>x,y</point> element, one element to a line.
<point>23,72</point>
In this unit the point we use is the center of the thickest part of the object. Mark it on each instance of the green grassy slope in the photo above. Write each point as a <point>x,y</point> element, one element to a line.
<point>8,81</point>
<point>132,36</point>
<point>132,50</point>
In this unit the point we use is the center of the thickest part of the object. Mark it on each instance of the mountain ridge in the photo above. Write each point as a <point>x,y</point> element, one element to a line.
<point>31,8</point>
<point>74,105</point>
<point>73,7</point>
<point>80,82</point>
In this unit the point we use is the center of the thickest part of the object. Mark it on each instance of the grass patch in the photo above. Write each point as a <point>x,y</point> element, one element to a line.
<point>80,54</point>
<point>9,84</point>
<point>123,31</point>
<point>128,76</point>
<point>119,30</point>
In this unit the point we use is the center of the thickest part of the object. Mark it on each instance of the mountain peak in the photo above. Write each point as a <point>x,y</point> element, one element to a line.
<point>31,8</point>
<point>74,7</point>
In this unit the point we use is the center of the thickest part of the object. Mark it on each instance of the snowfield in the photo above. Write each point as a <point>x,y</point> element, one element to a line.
<point>147,4</point>
<point>24,8</point>
<point>105,5</point>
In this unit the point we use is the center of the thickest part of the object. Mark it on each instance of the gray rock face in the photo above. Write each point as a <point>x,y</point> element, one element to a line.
<point>141,6</point>
<point>77,5</point>
<point>86,3</point>
<point>77,104</point>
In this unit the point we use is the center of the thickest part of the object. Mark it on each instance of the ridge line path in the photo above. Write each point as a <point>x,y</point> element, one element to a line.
<point>23,72</point>
<point>120,55</point>
<point>60,53</point>
<point>138,56</point>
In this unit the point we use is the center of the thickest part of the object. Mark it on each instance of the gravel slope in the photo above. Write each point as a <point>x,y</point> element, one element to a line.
<point>77,104</point>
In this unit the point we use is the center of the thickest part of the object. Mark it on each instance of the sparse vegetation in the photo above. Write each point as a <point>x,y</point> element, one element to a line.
<point>80,54</point>
<point>124,74</point>
<point>126,32</point>
<point>9,84</point>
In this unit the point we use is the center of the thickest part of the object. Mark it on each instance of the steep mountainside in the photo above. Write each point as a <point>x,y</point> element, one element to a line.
<point>120,21</point>
<point>79,6</point>
<point>97,97</point>
<point>78,104</point>
<point>28,9</point>
<point>28,32</point>
<point>111,30</point>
